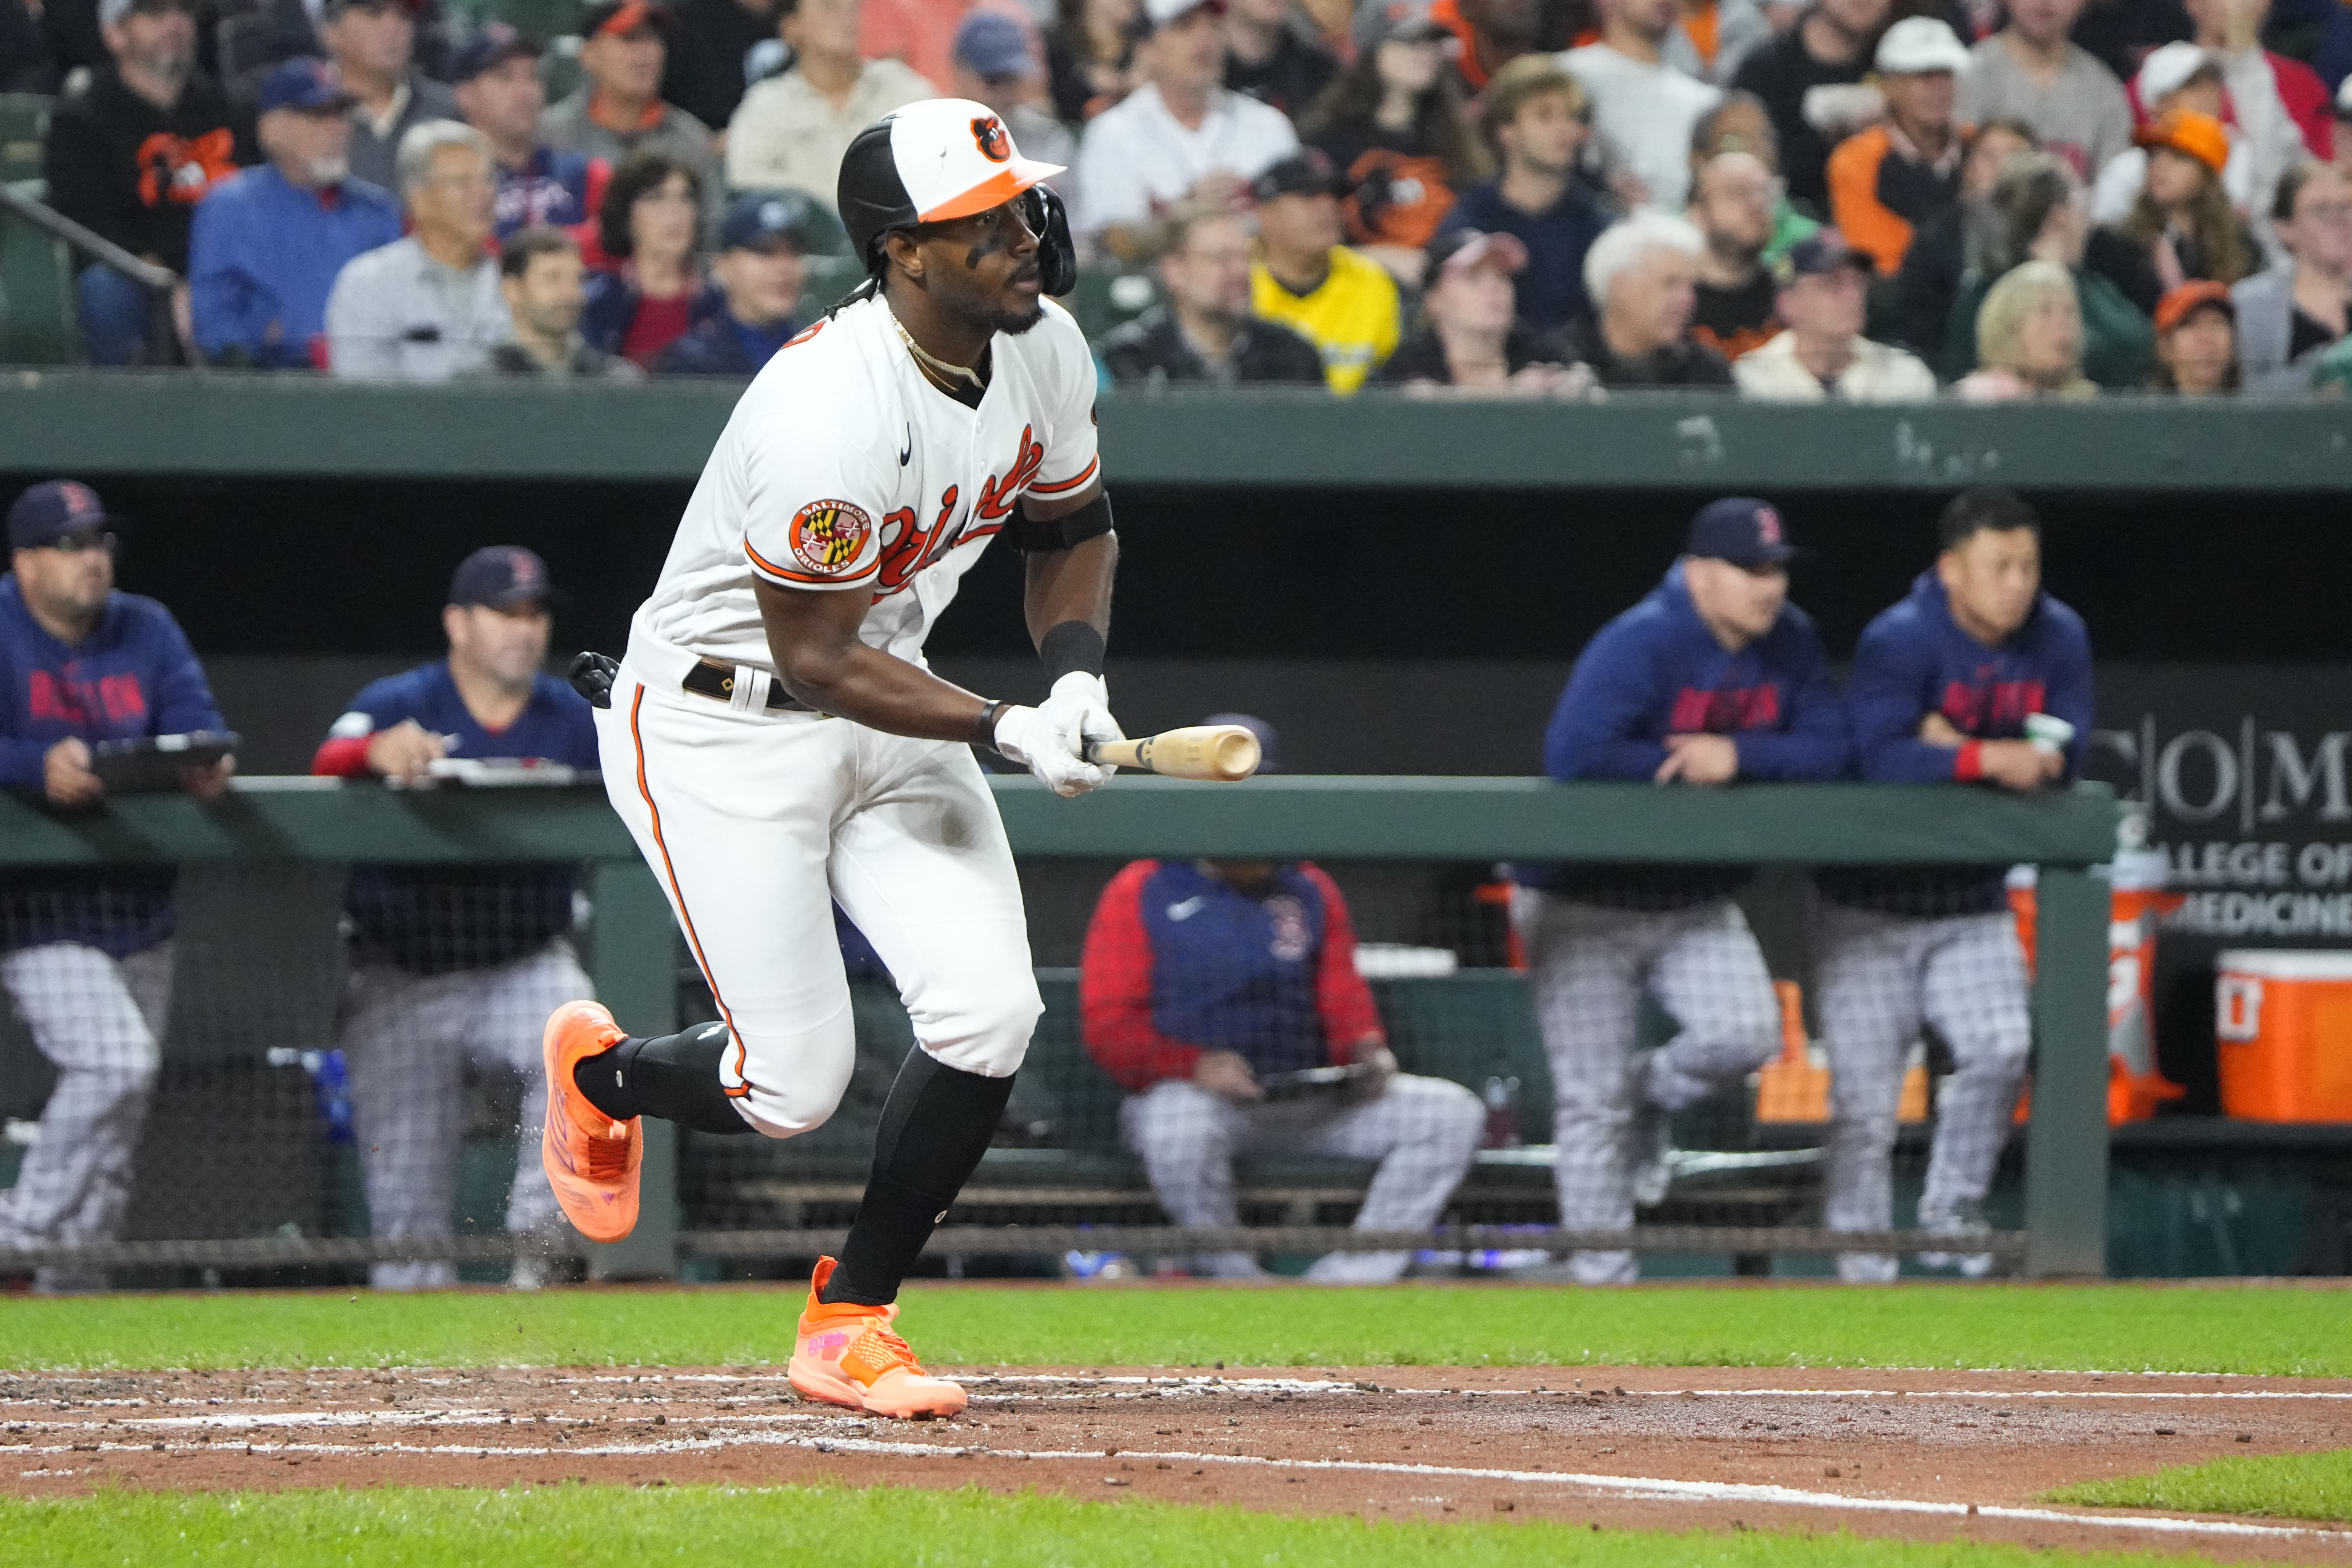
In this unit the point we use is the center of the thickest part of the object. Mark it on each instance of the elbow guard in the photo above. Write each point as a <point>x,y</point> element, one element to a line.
<point>1066,531</point>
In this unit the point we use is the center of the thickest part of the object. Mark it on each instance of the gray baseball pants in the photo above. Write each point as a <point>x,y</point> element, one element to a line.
<point>407,1039</point>
<point>1422,1130</point>
<point>1881,975</point>
<point>1590,965</point>
<point>100,1020</point>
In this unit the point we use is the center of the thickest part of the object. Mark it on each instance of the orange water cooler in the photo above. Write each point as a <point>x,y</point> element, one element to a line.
<point>2284,1020</point>
<point>2136,881</point>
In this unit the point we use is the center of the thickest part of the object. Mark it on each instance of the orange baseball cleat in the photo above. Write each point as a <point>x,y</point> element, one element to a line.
<point>846,1354</point>
<point>592,1159</point>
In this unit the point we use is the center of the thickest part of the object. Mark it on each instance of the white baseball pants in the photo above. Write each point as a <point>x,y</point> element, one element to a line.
<point>1422,1130</point>
<point>100,1020</point>
<point>1590,967</point>
<point>406,1039</point>
<point>1880,975</point>
<point>758,823</point>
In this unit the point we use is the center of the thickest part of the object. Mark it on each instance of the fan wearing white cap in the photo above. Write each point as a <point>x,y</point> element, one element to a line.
<point>777,745</point>
<point>1886,181</point>
<point>2278,105</point>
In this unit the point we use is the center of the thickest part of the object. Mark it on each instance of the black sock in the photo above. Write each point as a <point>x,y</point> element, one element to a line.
<point>936,1125</point>
<point>674,1077</point>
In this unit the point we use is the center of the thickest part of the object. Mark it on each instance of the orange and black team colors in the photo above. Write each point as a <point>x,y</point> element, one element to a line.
<point>845,470</point>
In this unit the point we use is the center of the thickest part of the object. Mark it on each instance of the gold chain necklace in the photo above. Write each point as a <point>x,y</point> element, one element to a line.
<point>939,369</point>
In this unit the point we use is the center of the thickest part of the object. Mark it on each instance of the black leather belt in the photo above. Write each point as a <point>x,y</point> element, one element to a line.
<point>711,678</point>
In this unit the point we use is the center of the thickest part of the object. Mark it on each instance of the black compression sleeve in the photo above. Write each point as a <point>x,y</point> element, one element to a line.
<point>936,1125</point>
<point>1072,644</point>
<point>674,1077</point>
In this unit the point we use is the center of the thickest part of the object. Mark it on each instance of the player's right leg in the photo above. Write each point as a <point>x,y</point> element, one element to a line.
<point>1187,1139</point>
<point>1869,979</point>
<point>1585,965</point>
<point>1423,1132</point>
<point>1974,991</point>
<point>733,812</point>
<point>1712,980</point>
<point>401,1036</point>
<point>76,1181</point>
<point>507,1013</point>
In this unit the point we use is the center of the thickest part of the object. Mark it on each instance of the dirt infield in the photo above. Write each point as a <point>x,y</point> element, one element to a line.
<point>1922,1455</point>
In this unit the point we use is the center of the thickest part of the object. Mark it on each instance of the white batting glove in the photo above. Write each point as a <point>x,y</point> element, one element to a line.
<point>1079,705</point>
<point>1054,752</point>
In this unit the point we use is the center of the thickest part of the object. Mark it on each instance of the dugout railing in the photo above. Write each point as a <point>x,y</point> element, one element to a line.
<point>304,830</point>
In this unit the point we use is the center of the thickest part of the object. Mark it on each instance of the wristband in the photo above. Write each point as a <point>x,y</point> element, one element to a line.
<point>985,734</point>
<point>1968,765</point>
<point>1071,645</point>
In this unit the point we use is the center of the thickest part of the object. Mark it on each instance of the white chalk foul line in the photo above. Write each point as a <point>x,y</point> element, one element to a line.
<point>1982,1394</point>
<point>1640,1489</point>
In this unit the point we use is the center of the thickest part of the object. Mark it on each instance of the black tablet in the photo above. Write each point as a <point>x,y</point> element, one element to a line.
<point>154,762</point>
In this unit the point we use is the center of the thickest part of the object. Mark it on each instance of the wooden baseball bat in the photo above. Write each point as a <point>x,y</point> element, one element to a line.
<point>1220,752</point>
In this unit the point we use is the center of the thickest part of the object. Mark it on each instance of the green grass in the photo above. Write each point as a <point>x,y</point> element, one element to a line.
<point>2288,1486</point>
<point>842,1528</point>
<point>2238,1328</point>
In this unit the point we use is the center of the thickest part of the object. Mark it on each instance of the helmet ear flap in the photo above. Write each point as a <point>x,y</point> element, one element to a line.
<point>1058,253</point>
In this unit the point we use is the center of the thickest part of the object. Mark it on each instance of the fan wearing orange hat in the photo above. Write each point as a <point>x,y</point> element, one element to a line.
<point>2196,340</point>
<point>2181,219</point>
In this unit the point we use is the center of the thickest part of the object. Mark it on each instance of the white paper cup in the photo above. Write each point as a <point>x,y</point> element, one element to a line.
<point>2049,734</point>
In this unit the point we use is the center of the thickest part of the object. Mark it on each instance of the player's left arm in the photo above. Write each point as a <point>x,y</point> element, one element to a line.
<point>183,704</point>
<point>1071,550</point>
<point>1352,1033</point>
<point>1068,580</point>
<point>2067,693</point>
<point>1811,741</point>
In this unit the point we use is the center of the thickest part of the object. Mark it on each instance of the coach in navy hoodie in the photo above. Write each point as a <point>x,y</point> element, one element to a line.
<point>1942,687</point>
<point>1714,677</point>
<point>87,956</point>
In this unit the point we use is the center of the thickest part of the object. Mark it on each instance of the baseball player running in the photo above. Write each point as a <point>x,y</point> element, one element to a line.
<point>1714,677</point>
<point>446,963</point>
<point>1942,685</point>
<point>776,745</point>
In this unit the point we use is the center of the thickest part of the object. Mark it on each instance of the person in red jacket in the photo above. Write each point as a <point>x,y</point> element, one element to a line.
<point>1206,987</point>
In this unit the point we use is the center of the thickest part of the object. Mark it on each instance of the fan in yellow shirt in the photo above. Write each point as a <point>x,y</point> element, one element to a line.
<point>1305,278</point>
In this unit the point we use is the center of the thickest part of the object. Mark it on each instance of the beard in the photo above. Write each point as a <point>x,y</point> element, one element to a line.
<point>1013,323</point>
<point>171,62</point>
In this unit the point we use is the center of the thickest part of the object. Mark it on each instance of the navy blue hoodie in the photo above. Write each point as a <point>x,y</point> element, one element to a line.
<point>1655,671</point>
<point>134,676</point>
<point>1913,660</point>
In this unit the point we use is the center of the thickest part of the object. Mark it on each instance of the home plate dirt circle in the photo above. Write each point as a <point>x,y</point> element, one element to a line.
<point>1934,1456</point>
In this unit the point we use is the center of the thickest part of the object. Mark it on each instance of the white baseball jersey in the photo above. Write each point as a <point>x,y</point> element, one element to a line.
<point>844,468</point>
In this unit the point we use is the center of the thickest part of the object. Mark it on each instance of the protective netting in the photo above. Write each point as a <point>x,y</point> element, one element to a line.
<point>1112,1134</point>
<point>214,1074</point>
<point>294,1073</point>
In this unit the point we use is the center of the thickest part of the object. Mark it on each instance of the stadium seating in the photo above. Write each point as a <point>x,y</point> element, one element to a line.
<point>39,324</point>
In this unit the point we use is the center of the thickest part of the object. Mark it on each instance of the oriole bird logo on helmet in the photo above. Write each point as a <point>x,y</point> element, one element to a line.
<point>944,158</point>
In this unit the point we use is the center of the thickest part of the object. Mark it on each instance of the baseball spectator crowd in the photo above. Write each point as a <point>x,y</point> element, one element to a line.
<point>1856,199</point>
